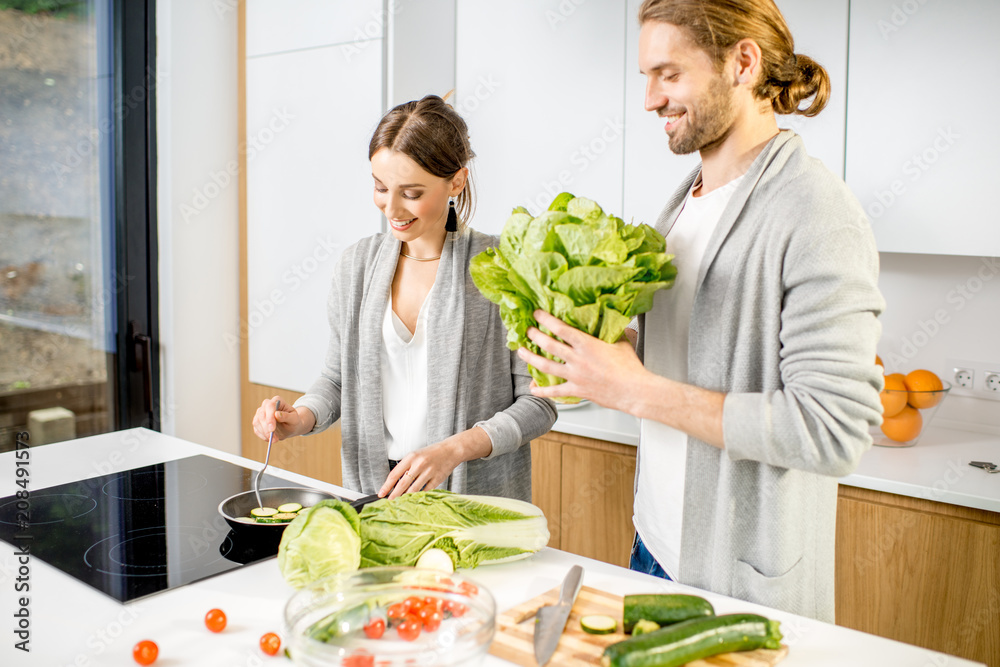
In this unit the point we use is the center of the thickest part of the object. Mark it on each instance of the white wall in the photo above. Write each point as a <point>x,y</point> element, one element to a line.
<point>198,217</point>
<point>939,308</point>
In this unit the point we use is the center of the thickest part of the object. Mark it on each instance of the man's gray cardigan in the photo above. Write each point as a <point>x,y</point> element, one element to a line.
<point>784,321</point>
<point>472,377</point>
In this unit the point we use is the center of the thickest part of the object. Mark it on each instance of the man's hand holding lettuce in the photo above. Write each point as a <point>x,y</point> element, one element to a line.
<point>587,268</point>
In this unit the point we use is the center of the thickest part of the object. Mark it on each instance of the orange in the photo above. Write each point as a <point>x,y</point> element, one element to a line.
<point>878,362</point>
<point>919,383</point>
<point>903,427</point>
<point>894,395</point>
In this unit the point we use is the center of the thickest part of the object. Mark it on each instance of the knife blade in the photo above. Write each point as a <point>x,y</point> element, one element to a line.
<point>550,620</point>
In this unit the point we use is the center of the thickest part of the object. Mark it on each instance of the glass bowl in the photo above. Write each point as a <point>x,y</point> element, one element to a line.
<point>905,428</point>
<point>326,621</point>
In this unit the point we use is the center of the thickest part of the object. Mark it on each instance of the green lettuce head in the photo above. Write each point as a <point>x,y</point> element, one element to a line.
<point>590,269</point>
<point>322,540</point>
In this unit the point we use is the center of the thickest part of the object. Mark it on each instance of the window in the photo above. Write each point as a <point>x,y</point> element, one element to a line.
<point>77,219</point>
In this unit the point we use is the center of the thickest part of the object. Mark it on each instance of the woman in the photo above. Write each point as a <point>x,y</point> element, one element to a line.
<point>418,368</point>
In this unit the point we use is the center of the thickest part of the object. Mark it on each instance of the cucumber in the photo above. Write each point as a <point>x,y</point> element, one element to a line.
<point>598,624</point>
<point>263,511</point>
<point>289,507</point>
<point>664,609</point>
<point>643,627</point>
<point>695,639</point>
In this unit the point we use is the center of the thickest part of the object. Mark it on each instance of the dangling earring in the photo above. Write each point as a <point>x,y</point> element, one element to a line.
<point>452,224</point>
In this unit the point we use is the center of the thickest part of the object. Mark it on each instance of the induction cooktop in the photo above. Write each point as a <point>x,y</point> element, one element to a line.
<point>134,533</point>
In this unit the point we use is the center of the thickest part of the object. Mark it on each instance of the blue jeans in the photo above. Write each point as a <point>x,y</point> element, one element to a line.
<point>643,561</point>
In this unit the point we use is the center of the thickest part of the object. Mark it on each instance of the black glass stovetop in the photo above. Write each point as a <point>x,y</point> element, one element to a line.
<point>140,531</point>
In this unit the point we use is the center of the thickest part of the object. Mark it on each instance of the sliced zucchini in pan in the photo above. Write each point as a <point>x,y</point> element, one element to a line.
<point>263,511</point>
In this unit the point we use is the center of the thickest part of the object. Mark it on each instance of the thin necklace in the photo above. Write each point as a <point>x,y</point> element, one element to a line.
<point>420,259</point>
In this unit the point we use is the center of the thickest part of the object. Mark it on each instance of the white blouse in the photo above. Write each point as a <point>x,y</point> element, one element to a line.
<point>404,382</point>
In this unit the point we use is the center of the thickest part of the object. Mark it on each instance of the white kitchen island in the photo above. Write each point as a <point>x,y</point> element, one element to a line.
<point>73,624</point>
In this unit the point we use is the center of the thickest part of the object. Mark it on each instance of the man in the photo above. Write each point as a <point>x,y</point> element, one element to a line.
<point>754,376</point>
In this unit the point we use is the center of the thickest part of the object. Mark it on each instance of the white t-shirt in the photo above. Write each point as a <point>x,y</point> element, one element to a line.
<point>404,382</point>
<point>659,497</point>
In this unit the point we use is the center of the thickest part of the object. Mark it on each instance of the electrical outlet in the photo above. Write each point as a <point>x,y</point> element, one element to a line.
<point>964,377</point>
<point>980,379</point>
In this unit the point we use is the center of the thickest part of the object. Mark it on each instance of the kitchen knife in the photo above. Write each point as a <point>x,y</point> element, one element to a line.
<point>550,620</point>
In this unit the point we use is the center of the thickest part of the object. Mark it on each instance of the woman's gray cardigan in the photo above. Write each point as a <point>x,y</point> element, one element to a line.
<point>472,377</point>
<point>784,321</point>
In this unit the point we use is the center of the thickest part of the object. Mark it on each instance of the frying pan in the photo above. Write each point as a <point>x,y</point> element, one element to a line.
<point>236,509</point>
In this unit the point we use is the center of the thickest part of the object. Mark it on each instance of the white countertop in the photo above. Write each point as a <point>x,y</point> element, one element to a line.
<point>72,624</point>
<point>592,421</point>
<point>936,468</point>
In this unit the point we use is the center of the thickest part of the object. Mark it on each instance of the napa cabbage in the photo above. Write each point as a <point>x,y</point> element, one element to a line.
<point>472,530</point>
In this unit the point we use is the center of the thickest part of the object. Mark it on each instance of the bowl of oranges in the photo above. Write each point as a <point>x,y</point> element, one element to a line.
<point>908,405</point>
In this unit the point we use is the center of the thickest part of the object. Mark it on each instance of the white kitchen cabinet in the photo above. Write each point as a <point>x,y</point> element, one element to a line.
<point>921,150</point>
<point>653,172</point>
<point>820,32</point>
<point>295,25</point>
<point>541,86</point>
<point>309,114</point>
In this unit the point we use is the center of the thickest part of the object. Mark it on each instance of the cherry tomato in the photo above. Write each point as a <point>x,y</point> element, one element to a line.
<point>433,603</point>
<point>396,612</point>
<point>359,659</point>
<point>145,652</point>
<point>409,629</point>
<point>215,620</point>
<point>413,604</point>
<point>432,621</point>
<point>458,609</point>
<point>468,588</point>
<point>270,643</point>
<point>375,628</point>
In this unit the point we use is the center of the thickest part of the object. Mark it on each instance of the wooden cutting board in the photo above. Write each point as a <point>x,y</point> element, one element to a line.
<point>514,639</point>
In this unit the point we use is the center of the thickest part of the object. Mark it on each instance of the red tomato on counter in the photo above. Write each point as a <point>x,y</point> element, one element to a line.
<point>215,620</point>
<point>145,652</point>
<point>270,643</point>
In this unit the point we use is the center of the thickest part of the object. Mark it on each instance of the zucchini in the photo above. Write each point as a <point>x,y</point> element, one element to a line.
<point>289,507</point>
<point>263,511</point>
<point>664,609</point>
<point>643,627</point>
<point>695,639</point>
<point>284,516</point>
<point>270,519</point>
<point>598,624</point>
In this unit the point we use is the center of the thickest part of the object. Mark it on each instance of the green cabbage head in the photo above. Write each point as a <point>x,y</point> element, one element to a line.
<point>322,540</point>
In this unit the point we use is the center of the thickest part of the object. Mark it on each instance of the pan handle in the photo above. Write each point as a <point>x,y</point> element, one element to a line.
<point>361,502</point>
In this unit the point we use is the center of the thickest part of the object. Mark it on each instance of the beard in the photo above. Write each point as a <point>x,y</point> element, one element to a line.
<point>707,121</point>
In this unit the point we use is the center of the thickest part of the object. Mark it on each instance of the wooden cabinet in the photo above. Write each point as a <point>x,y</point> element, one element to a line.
<point>920,572</point>
<point>584,486</point>
<point>920,154</point>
